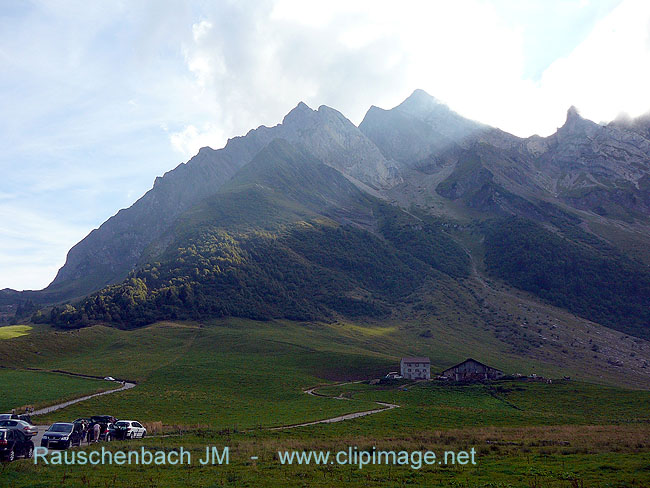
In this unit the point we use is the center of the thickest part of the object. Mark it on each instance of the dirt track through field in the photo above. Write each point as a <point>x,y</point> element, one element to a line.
<point>52,408</point>
<point>339,418</point>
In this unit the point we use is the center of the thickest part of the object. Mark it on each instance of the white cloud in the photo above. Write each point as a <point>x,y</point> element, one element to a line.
<point>191,139</point>
<point>350,55</point>
<point>609,72</point>
<point>200,29</point>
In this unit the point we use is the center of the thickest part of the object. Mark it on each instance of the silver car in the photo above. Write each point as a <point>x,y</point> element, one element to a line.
<point>26,428</point>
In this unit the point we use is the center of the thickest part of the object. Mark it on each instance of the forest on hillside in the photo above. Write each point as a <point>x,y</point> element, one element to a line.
<point>304,271</point>
<point>577,271</point>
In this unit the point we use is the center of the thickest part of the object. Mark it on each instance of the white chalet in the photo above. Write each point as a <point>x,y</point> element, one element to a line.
<point>415,368</point>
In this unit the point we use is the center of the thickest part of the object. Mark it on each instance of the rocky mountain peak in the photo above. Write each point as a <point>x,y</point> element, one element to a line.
<point>576,123</point>
<point>420,103</point>
<point>301,113</point>
<point>573,118</point>
<point>573,114</point>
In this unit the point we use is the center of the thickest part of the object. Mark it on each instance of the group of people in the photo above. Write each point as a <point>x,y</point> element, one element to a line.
<point>91,431</point>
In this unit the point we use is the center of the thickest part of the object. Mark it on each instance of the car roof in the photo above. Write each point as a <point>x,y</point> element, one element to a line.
<point>63,423</point>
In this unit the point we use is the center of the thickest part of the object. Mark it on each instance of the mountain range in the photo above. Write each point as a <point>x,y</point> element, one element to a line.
<point>406,215</point>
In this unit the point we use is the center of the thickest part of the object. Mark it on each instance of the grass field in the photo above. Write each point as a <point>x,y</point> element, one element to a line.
<point>38,389</point>
<point>11,331</point>
<point>225,376</point>
<point>435,405</point>
<point>223,382</point>
<point>525,457</point>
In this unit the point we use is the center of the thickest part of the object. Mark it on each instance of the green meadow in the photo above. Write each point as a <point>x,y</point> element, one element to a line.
<point>226,382</point>
<point>11,331</point>
<point>38,389</point>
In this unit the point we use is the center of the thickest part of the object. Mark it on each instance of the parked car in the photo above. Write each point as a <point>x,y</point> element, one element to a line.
<point>128,429</point>
<point>25,427</point>
<point>62,435</point>
<point>9,416</point>
<point>106,423</point>
<point>393,375</point>
<point>14,443</point>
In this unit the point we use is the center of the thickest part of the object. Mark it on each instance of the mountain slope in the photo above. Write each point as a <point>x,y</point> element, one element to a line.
<point>286,237</point>
<point>586,186</point>
<point>317,218</point>
<point>110,252</point>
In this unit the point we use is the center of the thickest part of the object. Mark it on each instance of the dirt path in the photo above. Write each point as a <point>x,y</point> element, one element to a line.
<point>52,408</point>
<point>340,418</point>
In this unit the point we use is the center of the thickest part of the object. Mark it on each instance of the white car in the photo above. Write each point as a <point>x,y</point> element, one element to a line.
<point>393,375</point>
<point>129,429</point>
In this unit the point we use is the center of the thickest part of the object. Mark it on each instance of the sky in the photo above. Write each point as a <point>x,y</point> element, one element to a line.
<point>99,98</point>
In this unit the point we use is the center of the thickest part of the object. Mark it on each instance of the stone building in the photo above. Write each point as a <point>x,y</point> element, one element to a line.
<point>415,368</point>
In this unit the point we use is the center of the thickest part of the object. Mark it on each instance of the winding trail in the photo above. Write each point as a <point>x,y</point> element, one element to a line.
<point>340,418</point>
<point>125,386</point>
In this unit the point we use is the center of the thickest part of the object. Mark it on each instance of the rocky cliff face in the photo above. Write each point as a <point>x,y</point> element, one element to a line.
<point>109,253</point>
<point>600,169</point>
<point>417,129</point>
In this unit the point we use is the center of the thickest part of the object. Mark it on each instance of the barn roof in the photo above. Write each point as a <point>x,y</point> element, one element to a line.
<point>416,360</point>
<point>473,360</point>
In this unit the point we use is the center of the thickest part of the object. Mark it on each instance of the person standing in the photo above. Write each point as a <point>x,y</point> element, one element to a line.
<point>96,430</point>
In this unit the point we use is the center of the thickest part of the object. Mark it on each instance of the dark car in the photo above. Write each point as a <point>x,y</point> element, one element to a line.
<point>103,419</point>
<point>14,443</point>
<point>62,435</point>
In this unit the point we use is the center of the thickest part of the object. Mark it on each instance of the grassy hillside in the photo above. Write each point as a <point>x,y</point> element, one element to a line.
<point>241,373</point>
<point>229,375</point>
<point>523,434</point>
<point>548,457</point>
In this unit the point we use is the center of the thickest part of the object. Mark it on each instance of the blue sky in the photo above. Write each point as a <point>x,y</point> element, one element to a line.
<point>98,98</point>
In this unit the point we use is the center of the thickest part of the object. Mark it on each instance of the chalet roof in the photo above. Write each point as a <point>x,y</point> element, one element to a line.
<point>474,361</point>
<point>415,360</point>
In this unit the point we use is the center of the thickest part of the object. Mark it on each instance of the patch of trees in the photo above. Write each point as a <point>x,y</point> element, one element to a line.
<point>582,276</point>
<point>424,241</point>
<point>307,271</point>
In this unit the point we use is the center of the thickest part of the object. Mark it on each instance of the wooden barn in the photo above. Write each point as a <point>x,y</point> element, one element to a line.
<point>472,370</point>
